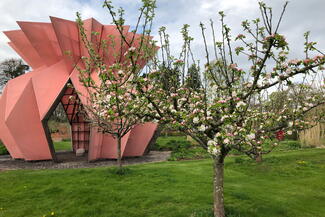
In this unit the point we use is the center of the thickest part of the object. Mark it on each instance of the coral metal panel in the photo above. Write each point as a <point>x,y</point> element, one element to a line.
<point>6,136</point>
<point>43,39</point>
<point>21,44</point>
<point>25,125</point>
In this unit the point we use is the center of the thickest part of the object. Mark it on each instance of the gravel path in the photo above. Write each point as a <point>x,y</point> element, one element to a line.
<point>69,160</point>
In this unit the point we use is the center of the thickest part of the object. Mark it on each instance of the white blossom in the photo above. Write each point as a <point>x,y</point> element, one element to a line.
<point>202,128</point>
<point>132,49</point>
<point>240,103</point>
<point>251,136</point>
<point>211,143</point>
<point>213,148</point>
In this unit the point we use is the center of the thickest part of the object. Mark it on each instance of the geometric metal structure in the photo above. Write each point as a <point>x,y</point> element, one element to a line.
<point>28,100</point>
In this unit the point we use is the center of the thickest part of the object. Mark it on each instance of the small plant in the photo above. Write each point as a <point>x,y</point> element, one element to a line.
<point>302,163</point>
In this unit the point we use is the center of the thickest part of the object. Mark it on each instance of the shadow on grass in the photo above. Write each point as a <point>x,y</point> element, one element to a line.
<point>230,212</point>
<point>123,171</point>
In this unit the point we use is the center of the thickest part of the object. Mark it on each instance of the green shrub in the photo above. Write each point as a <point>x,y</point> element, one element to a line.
<point>283,145</point>
<point>167,132</point>
<point>290,144</point>
<point>181,148</point>
<point>3,149</point>
<point>189,153</point>
<point>53,126</point>
<point>171,143</point>
<point>66,140</point>
<point>178,145</point>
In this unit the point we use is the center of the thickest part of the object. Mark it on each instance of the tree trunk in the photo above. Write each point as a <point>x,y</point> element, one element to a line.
<point>119,156</point>
<point>154,138</point>
<point>259,158</point>
<point>218,205</point>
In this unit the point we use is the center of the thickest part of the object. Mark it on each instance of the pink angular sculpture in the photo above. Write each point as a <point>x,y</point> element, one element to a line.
<point>28,101</point>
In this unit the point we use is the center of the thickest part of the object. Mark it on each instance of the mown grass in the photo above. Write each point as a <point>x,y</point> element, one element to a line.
<point>63,146</point>
<point>287,183</point>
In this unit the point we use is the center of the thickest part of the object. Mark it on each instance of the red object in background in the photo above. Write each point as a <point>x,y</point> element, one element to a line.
<point>279,135</point>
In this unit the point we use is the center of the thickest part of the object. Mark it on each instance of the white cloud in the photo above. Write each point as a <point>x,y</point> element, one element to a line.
<point>238,5</point>
<point>300,16</point>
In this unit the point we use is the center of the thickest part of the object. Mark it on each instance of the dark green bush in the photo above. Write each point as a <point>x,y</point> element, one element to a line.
<point>3,149</point>
<point>53,126</point>
<point>284,145</point>
<point>290,145</point>
<point>189,154</point>
<point>172,145</point>
<point>178,145</point>
<point>66,139</point>
<point>170,132</point>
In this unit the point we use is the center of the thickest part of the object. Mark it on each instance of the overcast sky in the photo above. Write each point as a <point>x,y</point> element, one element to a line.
<point>300,16</point>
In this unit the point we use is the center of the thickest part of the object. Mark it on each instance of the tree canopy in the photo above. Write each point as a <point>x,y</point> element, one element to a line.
<point>11,68</point>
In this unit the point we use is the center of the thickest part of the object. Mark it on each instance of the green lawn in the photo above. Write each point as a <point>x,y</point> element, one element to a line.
<point>63,146</point>
<point>288,184</point>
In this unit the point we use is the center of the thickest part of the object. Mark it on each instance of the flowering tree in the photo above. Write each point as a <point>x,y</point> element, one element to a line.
<point>297,96</point>
<point>228,109</point>
<point>113,104</point>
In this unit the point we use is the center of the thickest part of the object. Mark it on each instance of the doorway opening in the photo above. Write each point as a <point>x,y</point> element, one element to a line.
<point>68,127</point>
